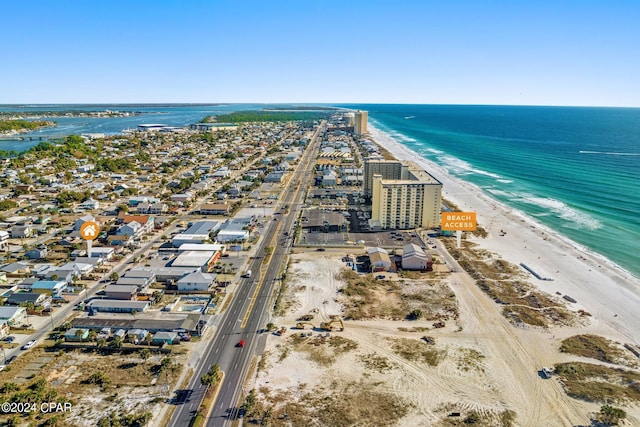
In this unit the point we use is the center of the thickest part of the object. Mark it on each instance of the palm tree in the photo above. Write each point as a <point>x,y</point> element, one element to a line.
<point>92,335</point>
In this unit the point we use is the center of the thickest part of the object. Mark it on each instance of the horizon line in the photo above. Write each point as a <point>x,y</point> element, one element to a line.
<point>29,104</point>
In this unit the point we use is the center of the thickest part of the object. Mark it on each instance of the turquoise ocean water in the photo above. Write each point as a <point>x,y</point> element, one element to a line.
<point>576,170</point>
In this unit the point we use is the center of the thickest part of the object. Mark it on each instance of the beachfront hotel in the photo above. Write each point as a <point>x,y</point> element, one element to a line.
<point>411,201</point>
<point>388,169</point>
<point>360,125</point>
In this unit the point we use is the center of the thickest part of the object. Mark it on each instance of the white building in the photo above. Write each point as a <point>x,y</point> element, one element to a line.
<point>197,281</point>
<point>414,258</point>
<point>412,201</point>
<point>380,260</point>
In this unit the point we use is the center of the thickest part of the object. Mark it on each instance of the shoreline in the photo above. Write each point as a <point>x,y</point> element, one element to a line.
<point>599,285</point>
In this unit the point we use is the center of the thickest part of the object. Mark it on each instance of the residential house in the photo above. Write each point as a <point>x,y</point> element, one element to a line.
<point>89,204</point>
<point>380,260</point>
<point>38,253</point>
<point>146,221</point>
<point>4,240</point>
<point>181,198</point>
<point>16,269</point>
<point>77,335</point>
<point>13,315</point>
<point>215,209</point>
<point>152,208</point>
<point>23,298</point>
<point>137,336</point>
<point>414,258</point>
<point>49,287</point>
<point>161,338</point>
<point>80,221</point>
<point>21,231</point>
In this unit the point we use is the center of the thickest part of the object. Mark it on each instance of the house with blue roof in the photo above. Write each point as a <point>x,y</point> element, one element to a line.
<point>48,286</point>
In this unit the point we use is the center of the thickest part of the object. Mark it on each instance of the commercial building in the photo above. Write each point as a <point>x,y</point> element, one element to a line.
<point>321,221</point>
<point>412,201</point>
<point>234,230</point>
<point>121,292</point>
<point>197,233</point>
<point>360,122</point>
<point>204,260</point>
<point>117,306</point>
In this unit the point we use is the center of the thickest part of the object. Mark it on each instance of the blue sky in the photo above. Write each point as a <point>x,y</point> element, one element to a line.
<point>433,52</point>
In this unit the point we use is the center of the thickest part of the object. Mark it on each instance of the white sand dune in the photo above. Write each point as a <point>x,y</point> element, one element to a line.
<point>600,287</point>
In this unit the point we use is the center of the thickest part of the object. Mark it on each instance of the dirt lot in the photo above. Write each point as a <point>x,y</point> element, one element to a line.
<point>478,365</point>
<point>98,386</point>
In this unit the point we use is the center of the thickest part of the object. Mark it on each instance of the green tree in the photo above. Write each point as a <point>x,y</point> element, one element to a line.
<point>415,314</point>
<point>211,377</point>
<point>145,354</point>
<point>116,343</point>
<point>610,415</point>
<point>98,378</point>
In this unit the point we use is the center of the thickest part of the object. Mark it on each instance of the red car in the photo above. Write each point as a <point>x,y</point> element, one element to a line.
<point>241,344</point>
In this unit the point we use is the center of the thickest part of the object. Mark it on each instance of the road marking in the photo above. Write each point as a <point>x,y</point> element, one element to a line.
<point>263,269</point>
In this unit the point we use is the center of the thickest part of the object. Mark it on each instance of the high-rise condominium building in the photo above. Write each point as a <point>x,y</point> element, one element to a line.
<point>389,169</point>
<point>411,201</point>
<point>360,127</point>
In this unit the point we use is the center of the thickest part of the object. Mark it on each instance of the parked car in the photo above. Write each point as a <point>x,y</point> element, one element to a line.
<point>9,338</point>
<point>29,344</point>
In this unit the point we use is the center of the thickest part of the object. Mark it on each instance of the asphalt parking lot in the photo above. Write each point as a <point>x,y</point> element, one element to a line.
<point>385,239</point>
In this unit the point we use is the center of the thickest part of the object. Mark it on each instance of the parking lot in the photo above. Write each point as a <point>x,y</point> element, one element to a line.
<point>385,239</point>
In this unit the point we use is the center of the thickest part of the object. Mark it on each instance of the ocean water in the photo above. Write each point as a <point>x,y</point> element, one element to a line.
<point>576,170</point>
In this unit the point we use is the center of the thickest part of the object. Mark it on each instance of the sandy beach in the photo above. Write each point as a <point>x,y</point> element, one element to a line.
<point>600,287</point>
<point>381,368</point>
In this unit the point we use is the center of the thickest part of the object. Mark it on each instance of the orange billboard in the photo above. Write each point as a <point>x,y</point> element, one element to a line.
<point>459,221</point>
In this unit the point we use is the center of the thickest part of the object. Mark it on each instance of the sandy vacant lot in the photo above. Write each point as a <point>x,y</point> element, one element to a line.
<point>381,371</point>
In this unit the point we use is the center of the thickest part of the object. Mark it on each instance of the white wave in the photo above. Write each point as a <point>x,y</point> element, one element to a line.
<point>574,218</point>
<point>505,181</point>
<point>607,153</point>
<point>497,192</point>
<point>462,167</point>
<point>434,151</point>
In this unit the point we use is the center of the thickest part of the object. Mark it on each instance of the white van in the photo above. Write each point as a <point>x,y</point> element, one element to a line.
<point>247,274</point>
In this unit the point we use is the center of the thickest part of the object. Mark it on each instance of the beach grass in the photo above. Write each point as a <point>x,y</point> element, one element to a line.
<point>598,383</point>
<point>594,347</point>
<point>504,283</point>
<point>417,351</point>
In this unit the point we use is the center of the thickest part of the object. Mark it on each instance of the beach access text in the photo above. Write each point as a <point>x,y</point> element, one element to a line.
<point>459,221</point>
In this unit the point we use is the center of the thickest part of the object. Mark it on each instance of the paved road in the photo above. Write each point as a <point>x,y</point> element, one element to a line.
<point>248,312</point>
